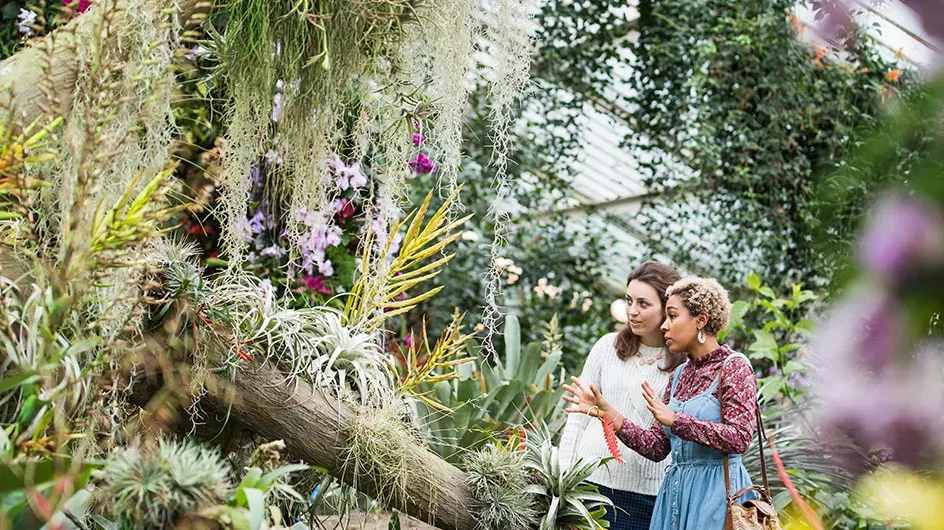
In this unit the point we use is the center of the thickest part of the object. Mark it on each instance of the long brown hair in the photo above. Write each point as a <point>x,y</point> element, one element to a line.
<point>659,277</point>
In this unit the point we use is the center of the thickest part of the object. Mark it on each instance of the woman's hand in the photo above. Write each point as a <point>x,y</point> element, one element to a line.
<point>589,401</point>
<point>660,411</point>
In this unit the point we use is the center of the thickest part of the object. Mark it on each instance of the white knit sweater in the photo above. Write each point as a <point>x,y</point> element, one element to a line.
<point>620,382</point>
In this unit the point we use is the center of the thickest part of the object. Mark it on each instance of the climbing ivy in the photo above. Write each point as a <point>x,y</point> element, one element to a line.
<point>754,116</point>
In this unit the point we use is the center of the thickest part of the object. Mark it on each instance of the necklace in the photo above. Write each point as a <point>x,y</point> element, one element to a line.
<point>641,360</point>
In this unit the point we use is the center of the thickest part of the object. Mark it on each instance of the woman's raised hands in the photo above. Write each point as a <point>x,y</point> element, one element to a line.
<point>585,399</point>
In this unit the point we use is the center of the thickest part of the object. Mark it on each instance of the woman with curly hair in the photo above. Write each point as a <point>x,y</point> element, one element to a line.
<point>617,364</point>
<point>690,425</point>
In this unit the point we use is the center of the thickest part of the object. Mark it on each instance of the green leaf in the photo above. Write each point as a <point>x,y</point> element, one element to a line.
<point>512,345</point>
<point>764,346</point>
<point>738,310</point>
<point>753,281</point>
<point>254,500</point>
<point>806,326</point>
<point>250,480</point>
<point>793,366</point>
<point>18,379</point>
<point>281,471</point>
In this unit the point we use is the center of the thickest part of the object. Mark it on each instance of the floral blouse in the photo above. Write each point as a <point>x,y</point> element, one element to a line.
<point>738,393</point>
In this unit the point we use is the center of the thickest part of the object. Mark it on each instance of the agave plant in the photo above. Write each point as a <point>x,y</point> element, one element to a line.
<point>566,500</point>
<point>490,397</point>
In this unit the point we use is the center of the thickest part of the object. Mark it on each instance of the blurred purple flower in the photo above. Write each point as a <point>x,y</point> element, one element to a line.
<point>25,19</point>
<point>315,283</point>
<point>255,178</point>
<point>356,176</point>
<point>865,393</point>
<point>931,15</point>
<point>260,221</point>
<point>422,164</point>
<point>901,234</point>
<point>418,139</point>
<point>277,107</point>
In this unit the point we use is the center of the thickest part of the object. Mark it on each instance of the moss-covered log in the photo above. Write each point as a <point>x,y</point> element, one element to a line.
<point>315,429</point>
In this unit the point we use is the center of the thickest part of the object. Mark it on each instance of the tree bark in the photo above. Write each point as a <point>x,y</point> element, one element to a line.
<point>315,428</point>
<point>40,79</point>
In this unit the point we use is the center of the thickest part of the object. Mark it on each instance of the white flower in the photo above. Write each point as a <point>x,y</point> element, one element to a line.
<point>513,279</point>
<point>26,18</point>
<point>470,235</point>
<point>356,176</point>
<point>334,163</point>
<point>502,263</point>
<point>273,157</point>
<point>586,304</point>
<point>543,288</point>
<point>326,269</point>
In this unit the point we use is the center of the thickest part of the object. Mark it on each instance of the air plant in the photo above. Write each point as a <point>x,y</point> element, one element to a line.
<point>153,487</point>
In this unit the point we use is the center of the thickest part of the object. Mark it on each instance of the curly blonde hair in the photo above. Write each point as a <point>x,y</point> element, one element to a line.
<point>704,295</point>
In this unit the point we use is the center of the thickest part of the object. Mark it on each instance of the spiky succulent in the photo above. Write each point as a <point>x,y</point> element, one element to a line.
<point>566,500</point>
<point>153,487</point>
<point>498,479</point>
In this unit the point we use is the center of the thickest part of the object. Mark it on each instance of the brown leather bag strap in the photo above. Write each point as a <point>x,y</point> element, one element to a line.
<point>760,443</point>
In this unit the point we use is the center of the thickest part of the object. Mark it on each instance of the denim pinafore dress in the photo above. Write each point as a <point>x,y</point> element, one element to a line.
<point>692,494</point>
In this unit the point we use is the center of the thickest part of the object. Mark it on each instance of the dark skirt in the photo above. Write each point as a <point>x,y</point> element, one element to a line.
<point>633,511</point>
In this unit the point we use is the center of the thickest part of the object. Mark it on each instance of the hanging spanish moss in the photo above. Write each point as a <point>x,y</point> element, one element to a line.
<point>511,36</point>
<point>450,37</point>
<point>291,69</point>
<point>120,128</point>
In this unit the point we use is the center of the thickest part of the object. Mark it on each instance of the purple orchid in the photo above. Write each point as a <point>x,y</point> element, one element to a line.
<point>422,164</point>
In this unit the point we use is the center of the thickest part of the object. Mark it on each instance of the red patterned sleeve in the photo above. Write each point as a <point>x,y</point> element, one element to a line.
<point>652,443</point>
<point>738,395</point>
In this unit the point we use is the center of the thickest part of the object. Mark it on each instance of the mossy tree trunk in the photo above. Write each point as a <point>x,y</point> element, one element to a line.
<point>314,428</point>
<point>41,78</point>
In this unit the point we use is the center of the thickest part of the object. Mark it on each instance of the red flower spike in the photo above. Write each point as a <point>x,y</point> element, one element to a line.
<point>808,513</point>
<point>610,435</point>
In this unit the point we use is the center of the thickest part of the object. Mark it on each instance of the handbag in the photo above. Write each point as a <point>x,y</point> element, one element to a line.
<point>754,514</point>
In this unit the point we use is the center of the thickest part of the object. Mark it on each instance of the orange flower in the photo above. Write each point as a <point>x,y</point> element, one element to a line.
<point>892,75</point>
<point>901,52</point>
<point>820,53</point>
<point>796,23</point>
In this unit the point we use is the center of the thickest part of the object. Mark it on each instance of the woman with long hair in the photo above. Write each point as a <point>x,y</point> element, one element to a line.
<point>617,365</point>
<point>706,412</point>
